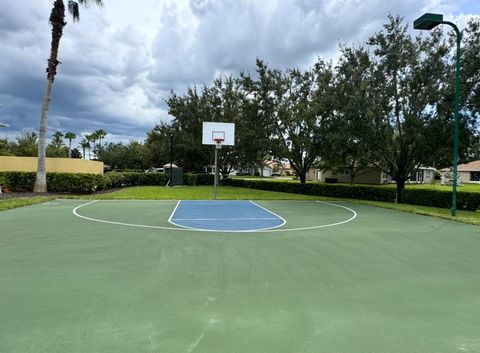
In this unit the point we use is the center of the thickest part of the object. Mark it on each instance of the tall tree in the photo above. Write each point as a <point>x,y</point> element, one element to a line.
<point>157,145</point>
<point>190,110</point>
<point>85,144</point>
<point>26,145</point>
<point>57,20</point>
<point>91,138</point>
<point>296,106</point>
<point>469,114</point>
<point>70,136</point>
<point>224,99</point>
<point>100,133</point>
<point>344,142</point>
<point>260,113</point>
<point>56,148</point>
<point>57,139</point>
<point>407,131</point>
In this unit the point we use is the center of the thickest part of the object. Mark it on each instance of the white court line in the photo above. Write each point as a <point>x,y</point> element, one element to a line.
<point>181,228</point>
<point>117,223</point>
<point>173,212</point>
<point>276,215</point>
<point>171,220</point>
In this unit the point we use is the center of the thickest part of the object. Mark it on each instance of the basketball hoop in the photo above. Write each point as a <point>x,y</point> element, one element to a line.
<point>218,143</point>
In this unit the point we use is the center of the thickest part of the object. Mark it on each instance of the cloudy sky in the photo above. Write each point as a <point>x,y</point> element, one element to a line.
<point>120,61</point>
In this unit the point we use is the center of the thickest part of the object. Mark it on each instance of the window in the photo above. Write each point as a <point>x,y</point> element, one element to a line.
<point>474,176</point>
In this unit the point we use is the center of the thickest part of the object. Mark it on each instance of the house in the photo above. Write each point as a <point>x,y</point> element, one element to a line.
<point>266,171</point>
<point>270,168</point>
<point>424,175</point>
<point>370,176</point>
<point>467,173</point>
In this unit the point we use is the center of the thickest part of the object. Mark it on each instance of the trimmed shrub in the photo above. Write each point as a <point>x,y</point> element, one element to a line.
<point>116,179</point>
<point>18,181</point>
<point>152,179</point>
<point>424,197</point>
<point>113,180</point>
<point>77,183</point>
<point>440,198</point>
<point>190,179</point>
<point>56,182</point>
<point>193,179</point>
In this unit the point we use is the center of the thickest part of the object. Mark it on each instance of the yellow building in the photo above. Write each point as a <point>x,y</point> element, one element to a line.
<point>58,165</point>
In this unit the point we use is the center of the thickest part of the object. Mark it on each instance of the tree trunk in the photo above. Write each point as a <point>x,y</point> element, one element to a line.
<point>41,178</point>
<point>69,148</point>
<point>303,177</point>
<point>400,188</point>
<point>57,20</point>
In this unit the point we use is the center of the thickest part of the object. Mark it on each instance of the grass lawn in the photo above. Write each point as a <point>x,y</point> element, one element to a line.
<point>198,193</point>
<point>9,204</point>
<point>236,193</point>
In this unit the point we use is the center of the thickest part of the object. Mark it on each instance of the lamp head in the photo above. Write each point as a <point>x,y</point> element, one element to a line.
<point>428,21</point>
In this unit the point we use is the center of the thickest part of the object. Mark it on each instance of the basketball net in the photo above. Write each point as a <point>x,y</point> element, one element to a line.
<point>219,142</point>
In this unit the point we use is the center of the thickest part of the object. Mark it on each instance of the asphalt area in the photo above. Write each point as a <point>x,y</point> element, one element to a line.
<point>216,276</point>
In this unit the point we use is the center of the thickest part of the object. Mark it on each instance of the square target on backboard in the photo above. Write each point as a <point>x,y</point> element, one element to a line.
<point>214,132</point>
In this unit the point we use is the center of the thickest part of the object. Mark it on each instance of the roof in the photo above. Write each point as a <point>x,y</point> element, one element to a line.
<point>469,167</point>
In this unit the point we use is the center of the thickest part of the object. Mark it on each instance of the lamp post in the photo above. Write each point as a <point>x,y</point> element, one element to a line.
<point>4,125</point>
<point>427,22</point>
<point>170,135</point>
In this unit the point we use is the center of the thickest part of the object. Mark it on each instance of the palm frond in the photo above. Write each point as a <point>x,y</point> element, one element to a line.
<point>74,10</point>
<point>74,7</point>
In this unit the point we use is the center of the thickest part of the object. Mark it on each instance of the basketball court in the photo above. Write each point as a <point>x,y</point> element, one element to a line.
<point>235,276</point>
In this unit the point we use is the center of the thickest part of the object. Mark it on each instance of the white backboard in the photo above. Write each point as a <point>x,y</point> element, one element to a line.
<point>212,130</point>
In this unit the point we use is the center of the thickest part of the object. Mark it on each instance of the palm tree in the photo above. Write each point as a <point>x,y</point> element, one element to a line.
<point>57,20</point>
<point>100,134</point>
<point>70,136</point>
<point>85,144</point>
<point>57,139</point>
<point>91,138</point>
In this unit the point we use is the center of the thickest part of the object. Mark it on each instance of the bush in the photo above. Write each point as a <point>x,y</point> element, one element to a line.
<point>434,198</point>
<point>190,179</point>
<point>331,180</point>
<point>56,182</point>
<point>152,179</point>
<point>113,180</point>
<point>18,181</point>
<point>77,183</point>
<point>116,179</point>
<point>193,179</point>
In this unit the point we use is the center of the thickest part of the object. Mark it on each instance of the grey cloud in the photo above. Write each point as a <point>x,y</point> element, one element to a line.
<point>117,69</point>
<point>227,35</point>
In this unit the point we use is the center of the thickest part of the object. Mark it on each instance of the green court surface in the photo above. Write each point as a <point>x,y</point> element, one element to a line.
<point>116,276</point>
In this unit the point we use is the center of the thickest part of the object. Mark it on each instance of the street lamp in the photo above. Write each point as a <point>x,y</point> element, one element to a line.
<point>427,22</point>
<point>170,135</point>
<point>4,125</point>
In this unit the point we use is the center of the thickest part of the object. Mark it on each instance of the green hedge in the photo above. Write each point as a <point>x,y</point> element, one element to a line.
<point>76,183</point>
<point>441,198</point>
<point>198,179</point>
<point>79,183</point>
<point>434,198</point>
<point>116,179</point>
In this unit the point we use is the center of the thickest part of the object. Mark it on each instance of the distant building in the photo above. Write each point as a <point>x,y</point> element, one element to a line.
<point>467,173</point>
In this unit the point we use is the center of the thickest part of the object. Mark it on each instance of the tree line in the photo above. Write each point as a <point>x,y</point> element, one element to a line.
<point>385,105</point>
<point>26,145</point>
